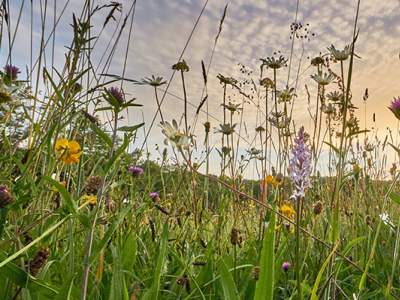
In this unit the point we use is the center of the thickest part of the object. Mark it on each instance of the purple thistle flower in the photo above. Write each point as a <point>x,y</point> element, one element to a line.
<point>117,93</point>
<point>154,196</point>
<point>286,266</point>
<point>395,107</point>
<point>300,165</point>
<point>12,71</point>
<point>135,170</point>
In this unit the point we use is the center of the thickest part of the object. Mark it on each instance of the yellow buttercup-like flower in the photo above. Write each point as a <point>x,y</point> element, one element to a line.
<point>287,210</point>
<point>91,199</point>
<point>68,151</point>
<point>272,180</point>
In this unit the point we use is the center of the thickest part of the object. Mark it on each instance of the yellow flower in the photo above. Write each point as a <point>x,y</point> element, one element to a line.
<point>287,210</point>
<point>68,151</point>
<point>272,180</point>
<point>92,199</point>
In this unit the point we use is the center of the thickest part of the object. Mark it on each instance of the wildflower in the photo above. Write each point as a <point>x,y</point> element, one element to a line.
<point>335,96</point>
<point>386,220</point>
<point>68,151</point>
<point>323,78</point>
<point>274,62</point>
<point>155,196</point>
<point>260,129</point>
<point>286,95</point>
<point>173,134</point>
<point>274,181</point>
<point>267,82</point>
<point>117,94</point>
<point>226,80</point>
<point>135,170</point>
<point>286,266</point>
<point>395,107</point>
<point>181,66</point>
<point>227,129</point>
<point>93,185</point>
<point>300,165</point>
<point>287,210</point>
<point>254,151</point>
<point>232,107</point>
<point>316,61</point>
<point>11,72</point>
<point>91,199</point>
<point>5,196</point>
<point>317,208</point>
<point>153,81</point>
<point>328,109</point>
<point>340,55</point>
<point>226,150</point>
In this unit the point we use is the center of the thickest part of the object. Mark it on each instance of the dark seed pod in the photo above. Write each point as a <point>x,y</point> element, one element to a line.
<point>5,196</point>
<point>236,238</point>
<point>255,272</point>
<point>199,263</point>
<point>93,185</point>
<point>317,208</point>
<point>38,261</point>
<point>153,230</point>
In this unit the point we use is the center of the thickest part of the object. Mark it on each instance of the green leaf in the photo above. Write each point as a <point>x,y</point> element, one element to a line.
<point>152,292</point>
<point>395,148</point>
<point>227,282</point>
<point>111,230</point>
<point>265,283</point>
<point>69,203</point>
<point>357,132</point>
<point>314,295</point>
<point>395,197</point>
<point>21,278</point>
<point>117,153</point>
<point>129,250</point>
<point>130,128</point>
<point>333,148</point>
<point>102,135</point>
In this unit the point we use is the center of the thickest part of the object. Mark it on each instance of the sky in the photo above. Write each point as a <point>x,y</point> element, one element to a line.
<point>252,29</point>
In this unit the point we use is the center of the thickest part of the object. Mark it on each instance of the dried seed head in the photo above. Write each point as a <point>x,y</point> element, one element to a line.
<point>236,238</point>
<point>38,261</point>
<point>255,272</point>
<point>207,126</point>
<point>5,196</point>
<point>93,185</point>
<point>317,208</point>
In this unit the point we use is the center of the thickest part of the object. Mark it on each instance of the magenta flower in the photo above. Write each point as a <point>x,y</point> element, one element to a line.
<point>300,165</point>
<point>286,266</point>
<point>154,196</point>
<point>395,107</point>
<point>12,71</point>
<point>117,93</point>
<point>135,170</point>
